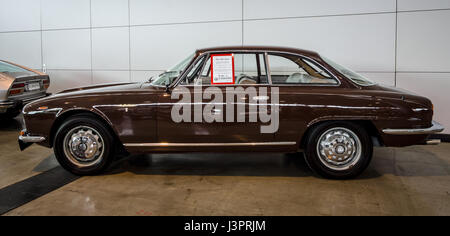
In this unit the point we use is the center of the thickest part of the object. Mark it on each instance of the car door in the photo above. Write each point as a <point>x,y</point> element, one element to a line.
<point>303,90</point>
<point>233,106</point>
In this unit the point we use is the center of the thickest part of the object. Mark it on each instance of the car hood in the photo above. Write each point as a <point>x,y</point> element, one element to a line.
<point>96,90</point>
<point>103,88</point>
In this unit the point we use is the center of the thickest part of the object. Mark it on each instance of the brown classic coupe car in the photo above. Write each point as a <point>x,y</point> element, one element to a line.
<point>234,99</point>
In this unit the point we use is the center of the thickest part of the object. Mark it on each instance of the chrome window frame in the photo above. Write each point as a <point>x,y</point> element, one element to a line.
<point>267,62</point>
<point>333,76</point>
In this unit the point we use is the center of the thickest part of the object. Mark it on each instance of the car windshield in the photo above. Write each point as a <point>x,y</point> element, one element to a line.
<point>167,77</point>
<point>13,70</point>
<point>353,76</point>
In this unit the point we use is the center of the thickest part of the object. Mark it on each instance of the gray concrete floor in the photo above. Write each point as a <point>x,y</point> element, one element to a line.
<point>399,181</point>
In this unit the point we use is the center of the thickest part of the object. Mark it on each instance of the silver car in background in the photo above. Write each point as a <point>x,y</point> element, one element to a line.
<point>18,86</point>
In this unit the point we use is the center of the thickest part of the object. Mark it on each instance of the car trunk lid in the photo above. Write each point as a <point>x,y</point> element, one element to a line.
<point>24,87</point>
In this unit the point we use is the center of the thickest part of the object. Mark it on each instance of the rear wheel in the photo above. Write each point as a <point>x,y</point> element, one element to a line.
<point>83,145</point>
<point>338,150</point>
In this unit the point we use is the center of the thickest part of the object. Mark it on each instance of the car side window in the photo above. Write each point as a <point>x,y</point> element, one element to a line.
<point>249,68</point>
<point>292,69</point>
<point>193,74</point>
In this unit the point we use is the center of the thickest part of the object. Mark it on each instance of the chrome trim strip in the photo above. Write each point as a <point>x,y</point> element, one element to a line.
<point>31,139</point>
<point>420,109</point>
<point>54,110</point>
<point>435,128</point>
<point>208,144</point>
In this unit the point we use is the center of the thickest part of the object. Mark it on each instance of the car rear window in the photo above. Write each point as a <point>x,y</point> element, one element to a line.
<point>14,70</point>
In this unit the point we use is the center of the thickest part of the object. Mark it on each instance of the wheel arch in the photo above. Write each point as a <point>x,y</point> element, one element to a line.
<point>63,116</point>
<point>368,125</point>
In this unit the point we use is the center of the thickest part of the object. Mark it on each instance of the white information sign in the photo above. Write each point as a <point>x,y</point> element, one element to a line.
<point>222,69</point>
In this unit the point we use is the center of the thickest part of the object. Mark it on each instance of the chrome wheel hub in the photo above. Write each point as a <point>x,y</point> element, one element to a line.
<point>339,148</point>
<point>83,146</point>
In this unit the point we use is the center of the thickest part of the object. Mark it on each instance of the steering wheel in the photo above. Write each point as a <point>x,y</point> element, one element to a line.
<point>244,76</point>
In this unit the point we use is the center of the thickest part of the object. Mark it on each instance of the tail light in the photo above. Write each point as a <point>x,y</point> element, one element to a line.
<point>17,89</point>
<point>46,83</point>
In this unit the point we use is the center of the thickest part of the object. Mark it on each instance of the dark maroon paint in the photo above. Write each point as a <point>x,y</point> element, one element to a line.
<point>376,107</point>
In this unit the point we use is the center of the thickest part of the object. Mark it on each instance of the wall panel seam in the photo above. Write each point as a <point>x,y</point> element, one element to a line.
<point>224,21</point>
<point>319,16</point>
<point>242,22</point>
<point>129,41</point>
<point>396,43</point>
<point>90,35</point>
<point>40,31</point>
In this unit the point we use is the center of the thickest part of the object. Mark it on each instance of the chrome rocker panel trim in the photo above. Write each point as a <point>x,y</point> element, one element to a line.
<point>435,128</point>
<point>206,144</point>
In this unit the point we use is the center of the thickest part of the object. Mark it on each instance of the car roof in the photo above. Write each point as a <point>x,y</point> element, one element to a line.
<point>261,48</point>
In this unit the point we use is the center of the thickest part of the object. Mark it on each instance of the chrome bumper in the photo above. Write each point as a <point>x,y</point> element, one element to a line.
<point>17,104</point>
<point>7,104</point>
<point>25,140</point>
<point>4,106</point>
<point>435,128</point>
<point>31,139</point>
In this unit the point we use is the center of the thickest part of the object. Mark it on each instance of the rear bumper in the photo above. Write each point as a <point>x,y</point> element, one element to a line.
<point>15,105</point>
<point>435,128</point>
<point>28,100</point>
<point>26,140</point>
<point>7,105</point>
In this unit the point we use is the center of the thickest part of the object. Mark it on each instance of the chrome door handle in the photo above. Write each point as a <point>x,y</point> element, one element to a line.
<point>261,98</point>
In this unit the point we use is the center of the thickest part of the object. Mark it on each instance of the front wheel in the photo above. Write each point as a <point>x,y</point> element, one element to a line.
<point>83,145</point>
<point>338,150</point>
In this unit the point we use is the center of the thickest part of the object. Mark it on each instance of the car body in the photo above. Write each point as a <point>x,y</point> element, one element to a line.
<point>320,98</point>
<point>18,86</point>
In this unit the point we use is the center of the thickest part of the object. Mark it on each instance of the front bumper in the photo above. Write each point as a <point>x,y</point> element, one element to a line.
<point>435,128</point>
<point>26,140</point>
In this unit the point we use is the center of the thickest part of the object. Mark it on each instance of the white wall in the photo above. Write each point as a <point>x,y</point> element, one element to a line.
<point>402,43</point>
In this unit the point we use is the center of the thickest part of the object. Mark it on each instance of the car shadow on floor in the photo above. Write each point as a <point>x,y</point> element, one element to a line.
<point>8,124</point>
<point>406,162</point>
<point>218,164</point>
<point>214,164</point>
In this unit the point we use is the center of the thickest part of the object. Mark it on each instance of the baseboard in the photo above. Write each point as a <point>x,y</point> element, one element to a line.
<point>442,137</point>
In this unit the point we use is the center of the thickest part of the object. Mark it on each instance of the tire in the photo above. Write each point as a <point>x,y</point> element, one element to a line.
<point>92,147</point>
<point>338,150</point>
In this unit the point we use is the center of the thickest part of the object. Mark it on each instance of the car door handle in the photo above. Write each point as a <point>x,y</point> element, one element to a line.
<point>261,98</point>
